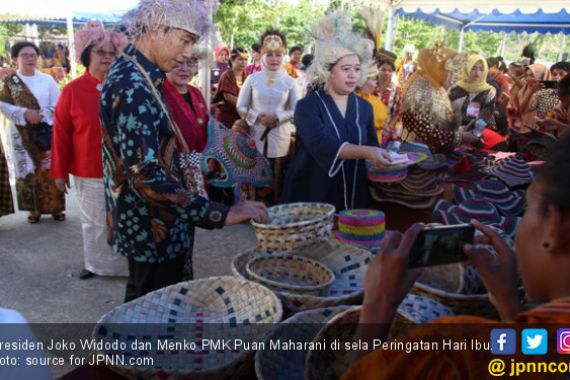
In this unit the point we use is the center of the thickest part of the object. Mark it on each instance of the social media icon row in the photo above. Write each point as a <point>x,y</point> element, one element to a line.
<point>533,341</point>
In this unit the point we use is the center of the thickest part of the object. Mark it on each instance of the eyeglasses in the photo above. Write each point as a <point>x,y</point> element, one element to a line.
<point>28,56</point>
<point>190,63</point>
<point>104,53</point>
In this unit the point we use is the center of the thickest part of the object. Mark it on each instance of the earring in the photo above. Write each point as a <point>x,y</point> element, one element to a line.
<point>546,244</point>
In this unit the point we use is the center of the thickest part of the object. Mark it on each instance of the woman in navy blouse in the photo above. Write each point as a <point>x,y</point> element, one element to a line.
<point>335,128</point>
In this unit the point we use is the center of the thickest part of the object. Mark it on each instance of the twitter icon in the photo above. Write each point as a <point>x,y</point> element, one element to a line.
<point>534,341</point>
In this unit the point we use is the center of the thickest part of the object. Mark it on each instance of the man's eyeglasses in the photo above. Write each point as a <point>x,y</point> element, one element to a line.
<point>28,56</point>
<point>104,53</point>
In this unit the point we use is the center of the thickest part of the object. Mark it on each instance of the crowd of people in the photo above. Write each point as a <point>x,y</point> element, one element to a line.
<point>122,127</point>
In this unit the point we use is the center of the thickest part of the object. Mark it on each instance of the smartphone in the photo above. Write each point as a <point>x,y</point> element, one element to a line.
<point>479,127</point>
<point>441,245</point>
<point>550,84</point>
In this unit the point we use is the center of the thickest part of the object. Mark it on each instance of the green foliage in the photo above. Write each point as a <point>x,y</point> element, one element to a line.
<point>244,22</point>
<point>7,30</point>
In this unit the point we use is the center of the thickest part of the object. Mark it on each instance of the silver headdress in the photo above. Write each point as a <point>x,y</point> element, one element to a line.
<point>191,15</point>
<point>334,40</point>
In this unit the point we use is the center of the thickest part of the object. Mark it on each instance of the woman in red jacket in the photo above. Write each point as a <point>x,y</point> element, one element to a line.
<point>76,149</point>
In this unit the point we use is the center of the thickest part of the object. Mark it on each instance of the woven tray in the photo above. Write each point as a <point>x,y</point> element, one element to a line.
<point>332,364</point>
<point>301,327</point>
<point>289,273</point>
<point>348,263</point>
<point>295,225</point>
<point>213,308</point>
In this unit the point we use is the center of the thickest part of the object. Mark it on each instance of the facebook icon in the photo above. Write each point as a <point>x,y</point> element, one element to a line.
<point>503,341</point>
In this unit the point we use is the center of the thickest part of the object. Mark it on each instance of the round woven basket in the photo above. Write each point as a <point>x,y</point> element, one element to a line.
<point>188,314</point>
<point>290,273</point>
<point>294,225</point>
<point>471,304</point>
<point>348,263</point>
<point>332,364</point>
<point>290,364</point>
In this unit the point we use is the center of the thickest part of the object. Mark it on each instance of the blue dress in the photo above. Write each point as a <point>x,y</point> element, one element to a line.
<point>315,174</point>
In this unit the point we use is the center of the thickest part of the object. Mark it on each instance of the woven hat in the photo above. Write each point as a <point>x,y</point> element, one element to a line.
<point>509,203</point>
<point>91,34</point>
<point>362,228</point>
<point>238,156</point>
<point>378,172</point>
<point>513,171</point>
<point>405,199</point>
<point>432,161</point>
<point>541,146</point>
<point>474,208</point>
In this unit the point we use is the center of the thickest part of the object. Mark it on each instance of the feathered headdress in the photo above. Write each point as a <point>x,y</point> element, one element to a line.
<point>374,18</point>
<point>334,40</point>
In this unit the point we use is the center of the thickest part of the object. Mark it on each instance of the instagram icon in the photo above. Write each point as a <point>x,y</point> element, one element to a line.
<point>563,341</point>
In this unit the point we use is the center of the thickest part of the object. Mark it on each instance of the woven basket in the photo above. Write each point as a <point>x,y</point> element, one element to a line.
<point>332,364</point>
<point>294,225</point>
<point>348,263</point>
<point>470,304</point>
<point>301,327</point>
<point>289,273</point>
<point>214,308</point>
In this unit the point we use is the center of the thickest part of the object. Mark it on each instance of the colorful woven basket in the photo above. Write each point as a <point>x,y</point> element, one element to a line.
<point>362,228</point>
<point>210,309</point>
<point>348,263</point>
<point>290,273</point>
<point>290,364</point>
<point>295,225</point>
<point>332,364</point>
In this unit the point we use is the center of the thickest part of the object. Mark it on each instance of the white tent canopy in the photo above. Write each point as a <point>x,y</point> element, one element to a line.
<point>466,6</point>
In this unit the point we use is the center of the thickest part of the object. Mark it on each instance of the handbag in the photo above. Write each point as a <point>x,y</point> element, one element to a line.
<point>188,162</point>
<point>40,134</point>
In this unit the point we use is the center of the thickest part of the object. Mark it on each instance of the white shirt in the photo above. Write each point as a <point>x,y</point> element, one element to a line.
<point>45,91</point>
<point>271,93</point>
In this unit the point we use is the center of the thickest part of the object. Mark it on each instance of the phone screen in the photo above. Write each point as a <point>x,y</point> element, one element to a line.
<point>441,245</point>
<point>550,84</point>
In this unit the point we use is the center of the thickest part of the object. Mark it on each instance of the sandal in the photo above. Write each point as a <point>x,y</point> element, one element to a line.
<point>59,217</point>
<point>85,274</point>
<point>33,219</point>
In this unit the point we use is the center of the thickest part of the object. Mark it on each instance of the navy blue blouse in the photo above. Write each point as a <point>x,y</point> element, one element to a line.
<point>315,173</point>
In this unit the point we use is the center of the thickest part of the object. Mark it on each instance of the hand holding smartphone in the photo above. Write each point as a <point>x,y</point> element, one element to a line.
<point>441,245</point>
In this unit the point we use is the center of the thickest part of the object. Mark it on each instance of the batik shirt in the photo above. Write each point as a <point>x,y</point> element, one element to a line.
<point>150,216</point>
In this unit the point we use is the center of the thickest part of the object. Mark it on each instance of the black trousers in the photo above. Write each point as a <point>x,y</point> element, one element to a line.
<point>145,277</point>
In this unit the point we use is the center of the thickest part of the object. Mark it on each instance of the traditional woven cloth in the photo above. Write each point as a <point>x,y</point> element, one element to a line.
<point>238,157</point>
<point>362,228</point>
<point>508,203</point>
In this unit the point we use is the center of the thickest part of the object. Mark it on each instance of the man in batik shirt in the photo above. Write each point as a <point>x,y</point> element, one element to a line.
<point>150,215</point>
